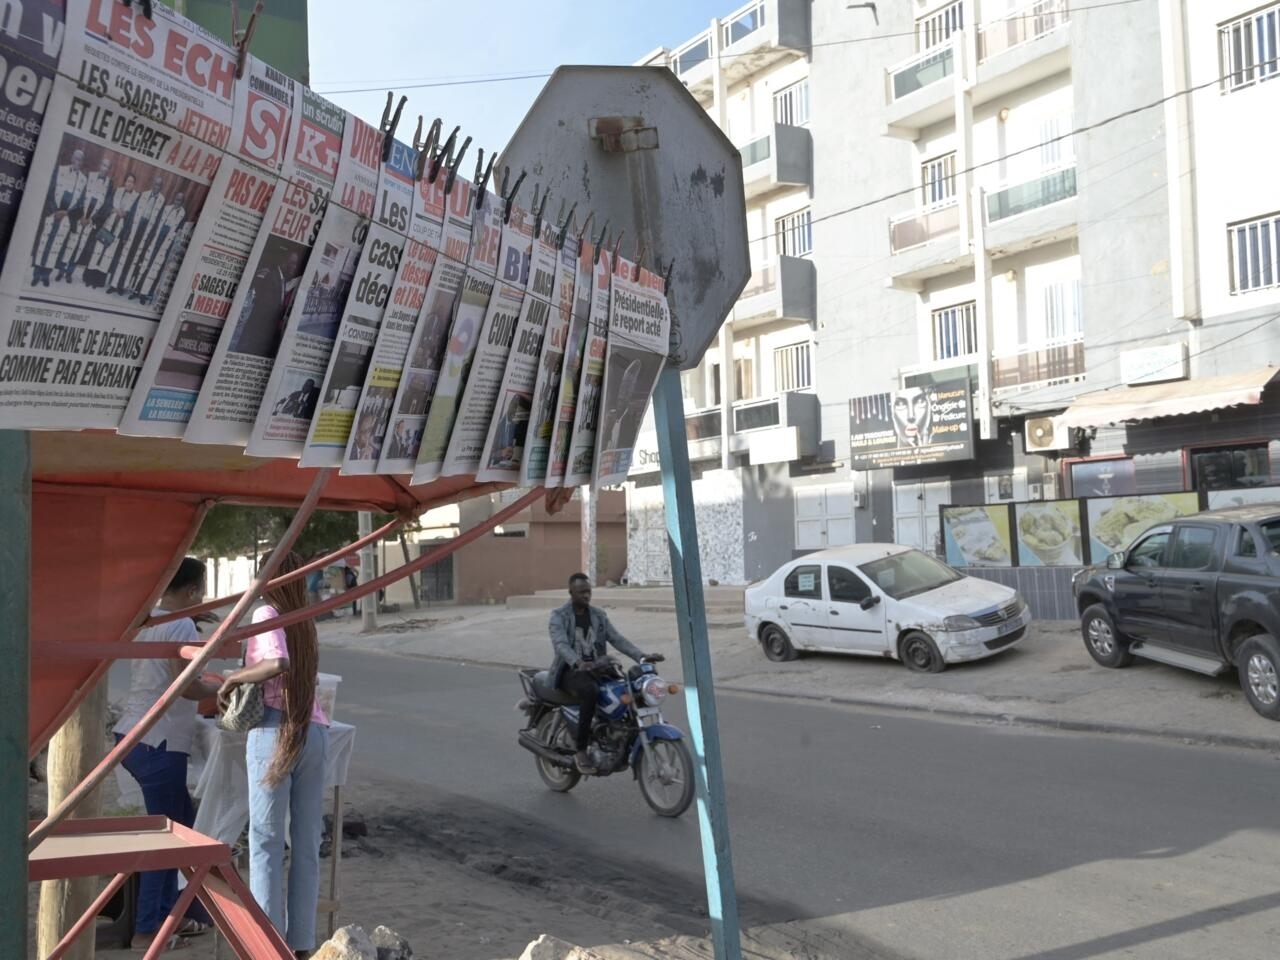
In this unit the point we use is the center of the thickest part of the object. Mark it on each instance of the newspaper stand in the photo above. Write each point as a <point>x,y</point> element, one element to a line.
<point>96,523</point>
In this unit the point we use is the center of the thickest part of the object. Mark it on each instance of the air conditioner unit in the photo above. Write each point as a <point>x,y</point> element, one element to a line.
<point>1044,434</point>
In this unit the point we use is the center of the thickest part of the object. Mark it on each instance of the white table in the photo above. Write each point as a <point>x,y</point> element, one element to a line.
<point>223,791</point>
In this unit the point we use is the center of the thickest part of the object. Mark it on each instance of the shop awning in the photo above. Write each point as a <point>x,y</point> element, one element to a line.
<point>1124,404</point>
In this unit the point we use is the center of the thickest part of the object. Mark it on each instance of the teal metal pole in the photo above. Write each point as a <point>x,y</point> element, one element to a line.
<point>695,652</point>
<point>15,576</point>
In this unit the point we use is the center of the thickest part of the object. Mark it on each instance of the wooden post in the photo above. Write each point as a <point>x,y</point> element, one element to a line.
<point>73,753</point>
<point>413,582</point>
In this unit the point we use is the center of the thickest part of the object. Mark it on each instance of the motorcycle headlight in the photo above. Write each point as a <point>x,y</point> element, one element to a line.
<point>960,623</point>
<point>653,690</point>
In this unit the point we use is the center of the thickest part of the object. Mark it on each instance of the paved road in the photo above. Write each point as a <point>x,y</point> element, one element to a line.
<point>944,840</point>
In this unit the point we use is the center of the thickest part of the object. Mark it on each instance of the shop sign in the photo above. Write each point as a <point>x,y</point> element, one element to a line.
<point>1154,364</point>
<point>915,425</point>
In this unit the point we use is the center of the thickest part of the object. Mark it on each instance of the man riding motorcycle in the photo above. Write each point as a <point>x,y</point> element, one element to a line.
<point>580,635</point>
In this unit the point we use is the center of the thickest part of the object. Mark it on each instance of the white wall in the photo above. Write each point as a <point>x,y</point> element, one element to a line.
<point>1235,152</point>
<point>718,507</point>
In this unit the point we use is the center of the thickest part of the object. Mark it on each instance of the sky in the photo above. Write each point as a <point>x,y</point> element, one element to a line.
<point>394,44</point>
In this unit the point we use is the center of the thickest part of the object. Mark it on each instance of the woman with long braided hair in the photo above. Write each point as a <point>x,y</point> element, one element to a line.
<point>286,761</point>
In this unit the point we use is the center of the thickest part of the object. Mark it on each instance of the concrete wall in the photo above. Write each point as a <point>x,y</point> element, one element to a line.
<point>718,506</point>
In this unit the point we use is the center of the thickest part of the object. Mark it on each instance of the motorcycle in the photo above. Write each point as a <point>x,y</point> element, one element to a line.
<point>629,732</point>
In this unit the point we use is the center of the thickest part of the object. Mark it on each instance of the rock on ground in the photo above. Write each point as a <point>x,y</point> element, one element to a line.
<point>390,945</point>
<point>549,948</point>
<point>349,943</point>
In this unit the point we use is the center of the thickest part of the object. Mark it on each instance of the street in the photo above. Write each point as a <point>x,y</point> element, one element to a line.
<point>889,834</point>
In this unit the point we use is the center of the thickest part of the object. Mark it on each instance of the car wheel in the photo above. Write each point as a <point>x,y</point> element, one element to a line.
<point>920,654</point>
<point>1101,638</point>
<point>777,647</point>
<point>1259,663</point>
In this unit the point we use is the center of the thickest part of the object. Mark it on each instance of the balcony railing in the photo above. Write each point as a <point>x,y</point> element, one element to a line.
<point>914,229</point>
<point>1023,25</point>
<point>920,71</point>
<point>1031,195</point>
<point>704,425</point>
<point>763,280</point>
<point>1054,362</point>
<point>696,51</point>
<point>756,151</point>
<point>742,23</point>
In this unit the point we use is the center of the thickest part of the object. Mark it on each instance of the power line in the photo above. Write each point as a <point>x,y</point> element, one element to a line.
<point>456,80</point>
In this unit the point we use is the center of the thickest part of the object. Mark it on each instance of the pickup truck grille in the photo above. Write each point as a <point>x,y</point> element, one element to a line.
<point>998,616</point>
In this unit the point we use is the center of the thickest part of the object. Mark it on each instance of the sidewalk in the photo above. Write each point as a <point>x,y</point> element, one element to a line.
<point>1047,680</point>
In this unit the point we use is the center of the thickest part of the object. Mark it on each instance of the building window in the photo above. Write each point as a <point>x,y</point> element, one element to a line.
<point>791,105</point>
<point>1255,249</point>
<point>743,381</point>
<point>1228,468</point>
<point>1250,48</point>
<point>955,331</point>
<point>1063,319</point>
<point>791,368</point>
<point>938,180</point>
<point>1105,477</point>
<point>795,234</point>
<point>937,28</point>
<point>1056,146</point>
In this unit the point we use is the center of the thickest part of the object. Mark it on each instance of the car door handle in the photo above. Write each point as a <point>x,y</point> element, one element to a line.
<point>1197,587</point>
<point>834,613</point>
<point>782,606</point>
<point>1152,583</point>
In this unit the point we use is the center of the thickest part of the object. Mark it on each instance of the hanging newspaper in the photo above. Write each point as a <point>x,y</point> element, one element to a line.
<point>376,273</point>
<point>473,303</point>
<point>639,338</point>
<point>508,431</point>
<point>571,369</point>
<point>582,447</point>
<point>30,40</point>
<point>483,383</point>
<point>425,352</point>
<point>237,375</point>
<point>368,439</point>
<point>311,321</point>
<point>222,241</point>
<point>144,122</point>
<point>546,389</point>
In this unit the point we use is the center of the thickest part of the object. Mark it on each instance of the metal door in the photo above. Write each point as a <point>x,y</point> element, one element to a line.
<point>916,505</point>
<point>435,584</point>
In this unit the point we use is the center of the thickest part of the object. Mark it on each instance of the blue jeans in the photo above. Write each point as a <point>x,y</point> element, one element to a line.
<point>299,799</point>
<point>162,775</point>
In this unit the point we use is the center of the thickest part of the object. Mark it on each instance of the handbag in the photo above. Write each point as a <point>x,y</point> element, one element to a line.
<point>105,237</point>
<point>244,708</point>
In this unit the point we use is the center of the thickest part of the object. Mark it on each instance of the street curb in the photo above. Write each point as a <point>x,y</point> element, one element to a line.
<point>1186,737</point>
<point>1194,737</point>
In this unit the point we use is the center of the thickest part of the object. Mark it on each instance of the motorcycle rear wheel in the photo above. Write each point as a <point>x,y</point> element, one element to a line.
<point>555,734</point>
<point>666,777</point>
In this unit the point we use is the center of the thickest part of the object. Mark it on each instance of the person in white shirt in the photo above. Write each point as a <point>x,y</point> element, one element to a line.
<point>159,761</point>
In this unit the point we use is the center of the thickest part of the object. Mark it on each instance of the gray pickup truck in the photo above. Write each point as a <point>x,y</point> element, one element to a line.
<point>1201,593</point>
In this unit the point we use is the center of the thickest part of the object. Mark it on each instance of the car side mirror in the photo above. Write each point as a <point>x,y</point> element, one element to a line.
<point>869,602</point>
<point>1116,561</point>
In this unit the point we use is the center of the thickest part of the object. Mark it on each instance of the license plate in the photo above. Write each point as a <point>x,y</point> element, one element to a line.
<point>1009,626</point>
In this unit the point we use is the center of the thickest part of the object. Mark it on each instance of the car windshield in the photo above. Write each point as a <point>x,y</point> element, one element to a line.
<point>909,574</point>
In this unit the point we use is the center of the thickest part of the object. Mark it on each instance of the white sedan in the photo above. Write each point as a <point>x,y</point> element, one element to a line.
<point>882,600</point>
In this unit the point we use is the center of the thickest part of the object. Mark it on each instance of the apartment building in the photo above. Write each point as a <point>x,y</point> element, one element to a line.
<point>1060,214</point>
<point>751,411</point>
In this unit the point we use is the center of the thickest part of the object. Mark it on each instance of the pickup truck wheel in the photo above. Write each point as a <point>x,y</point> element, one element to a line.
<point>1259,663</point>
<point>920,654</point>
<point>1102,639</point>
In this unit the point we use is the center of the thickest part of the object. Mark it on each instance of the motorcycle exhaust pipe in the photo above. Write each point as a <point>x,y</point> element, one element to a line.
<point>534,745</point>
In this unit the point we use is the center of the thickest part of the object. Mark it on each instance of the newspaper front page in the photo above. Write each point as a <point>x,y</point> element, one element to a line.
<point>546,388</point>
<point>473,304</point>
<point>571,369</point>
<point>292,393</point>
<point>31,33</point>
<point>376,273</point>
<point>475,410</point>
<point>639,338</point>
<point>232,387</point>
<point>508,431</point>
<point>125,158</point>
<point>425,352</point>
<point>582,447</point>
<point>210,274</point>
<point>368,439</point>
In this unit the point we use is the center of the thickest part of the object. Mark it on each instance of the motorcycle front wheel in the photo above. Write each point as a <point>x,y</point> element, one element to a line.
<point>553,732</point>
<point>666,777</point>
